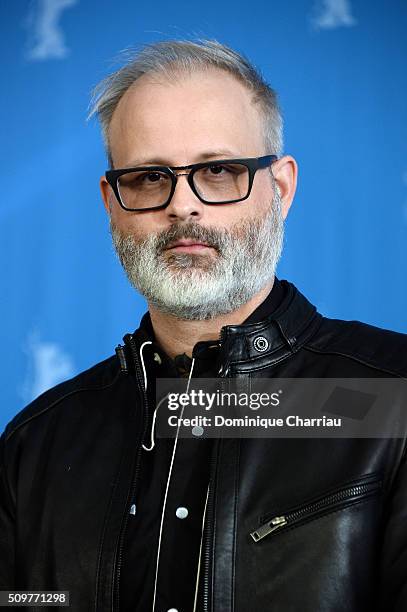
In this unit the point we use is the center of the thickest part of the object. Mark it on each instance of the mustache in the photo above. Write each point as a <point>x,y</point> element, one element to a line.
<point>194,231</point>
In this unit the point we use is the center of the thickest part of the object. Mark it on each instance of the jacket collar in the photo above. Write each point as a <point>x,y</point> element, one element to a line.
<point>281,333</point>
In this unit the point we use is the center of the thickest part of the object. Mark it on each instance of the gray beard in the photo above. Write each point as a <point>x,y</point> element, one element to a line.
<point>198,287</point>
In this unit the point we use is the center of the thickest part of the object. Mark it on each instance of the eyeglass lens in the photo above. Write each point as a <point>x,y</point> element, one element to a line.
<point>214,183</point>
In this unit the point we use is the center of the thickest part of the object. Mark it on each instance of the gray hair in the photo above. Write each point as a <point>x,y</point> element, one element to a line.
<point>167,58</point>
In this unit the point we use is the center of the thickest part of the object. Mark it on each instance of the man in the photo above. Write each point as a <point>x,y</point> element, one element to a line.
<point>94,502</point>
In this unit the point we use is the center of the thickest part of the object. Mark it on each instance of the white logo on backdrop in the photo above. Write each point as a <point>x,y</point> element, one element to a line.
<point>48,365</point>
<point>330,14</point>
<point>46,38</point>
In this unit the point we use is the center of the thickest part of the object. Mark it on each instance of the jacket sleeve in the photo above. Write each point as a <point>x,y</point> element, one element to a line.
<point>7,515</point>
<point>393,592</point>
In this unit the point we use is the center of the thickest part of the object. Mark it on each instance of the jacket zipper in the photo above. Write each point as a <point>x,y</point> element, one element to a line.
<point>208,530</point>
<point>208,534</point>
<point>328,502</point>
<point>224,370</point>
<point>117,569</point>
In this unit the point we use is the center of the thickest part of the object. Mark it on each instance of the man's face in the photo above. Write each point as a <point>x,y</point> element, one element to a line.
<point>196,118</point>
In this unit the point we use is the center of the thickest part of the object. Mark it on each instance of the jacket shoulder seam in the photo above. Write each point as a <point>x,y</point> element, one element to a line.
<point>56,402</point>
<point>356,357</point>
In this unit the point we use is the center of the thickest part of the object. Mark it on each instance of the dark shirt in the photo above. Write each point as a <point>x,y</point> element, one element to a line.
<point>185,497</point>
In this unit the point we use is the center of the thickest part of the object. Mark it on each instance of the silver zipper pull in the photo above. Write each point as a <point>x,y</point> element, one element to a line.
<point>269,527</point>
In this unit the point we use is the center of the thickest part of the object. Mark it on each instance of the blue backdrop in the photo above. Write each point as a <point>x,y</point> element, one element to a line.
<point>340,67</point>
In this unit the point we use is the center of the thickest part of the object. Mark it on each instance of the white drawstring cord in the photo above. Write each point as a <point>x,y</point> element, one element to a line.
<point>190,374</point>
<point>150,448</point>
<point>142,362</point>
<point>166,490</point>
<point>145,387</point>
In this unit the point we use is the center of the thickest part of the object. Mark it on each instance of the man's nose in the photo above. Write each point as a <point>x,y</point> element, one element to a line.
<point>184,203</point>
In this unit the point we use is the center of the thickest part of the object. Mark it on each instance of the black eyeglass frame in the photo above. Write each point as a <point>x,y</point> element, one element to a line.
<point>252,164</point>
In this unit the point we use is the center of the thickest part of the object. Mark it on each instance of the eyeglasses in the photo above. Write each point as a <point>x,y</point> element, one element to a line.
<point>222,181</point>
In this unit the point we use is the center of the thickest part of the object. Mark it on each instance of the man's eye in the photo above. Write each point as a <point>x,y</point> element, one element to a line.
<point>143,180</point>
<point>152,177</point>
<point>216,169</point>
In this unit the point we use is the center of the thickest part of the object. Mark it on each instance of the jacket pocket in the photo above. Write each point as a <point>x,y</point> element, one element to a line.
<point>347,495</point>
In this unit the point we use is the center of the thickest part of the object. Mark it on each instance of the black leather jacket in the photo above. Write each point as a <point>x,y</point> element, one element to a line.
<point>70,462</point>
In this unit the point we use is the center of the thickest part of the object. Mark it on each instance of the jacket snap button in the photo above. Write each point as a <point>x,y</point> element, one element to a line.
<point>261,344</point>
<point>197,430</point>
<point>181,512</point>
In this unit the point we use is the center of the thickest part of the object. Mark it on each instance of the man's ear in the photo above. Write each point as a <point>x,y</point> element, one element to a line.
<point>285,171</point>
<point>107,194</point>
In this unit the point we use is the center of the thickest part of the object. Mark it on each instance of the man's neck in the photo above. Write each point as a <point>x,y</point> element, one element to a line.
<point>176,336</point>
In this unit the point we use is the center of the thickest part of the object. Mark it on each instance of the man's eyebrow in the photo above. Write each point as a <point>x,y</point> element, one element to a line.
<point>215,154</point>
<point>158,161</point>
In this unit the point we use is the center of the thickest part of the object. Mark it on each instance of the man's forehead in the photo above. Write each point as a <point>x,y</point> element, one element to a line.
<point>154,94</point>
<point>205,111</point>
